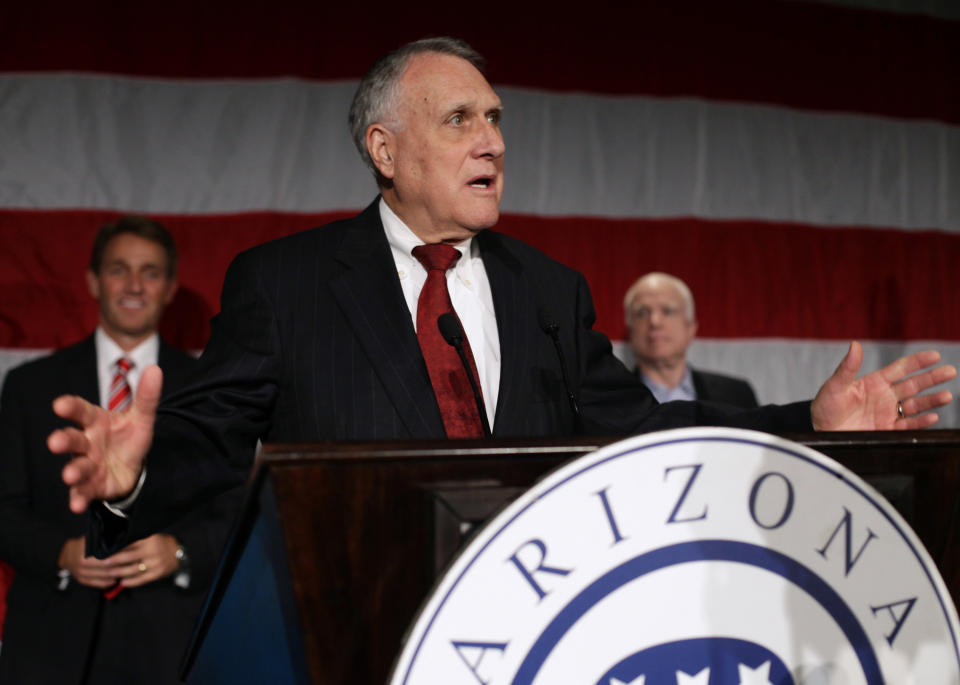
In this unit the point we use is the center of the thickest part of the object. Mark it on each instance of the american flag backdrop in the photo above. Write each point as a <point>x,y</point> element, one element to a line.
<point>797,163</point>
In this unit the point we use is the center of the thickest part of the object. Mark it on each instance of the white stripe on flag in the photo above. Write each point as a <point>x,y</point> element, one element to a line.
<point>73,141</point>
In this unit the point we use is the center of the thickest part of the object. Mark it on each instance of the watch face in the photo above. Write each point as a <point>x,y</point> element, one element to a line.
<point>703,555</point>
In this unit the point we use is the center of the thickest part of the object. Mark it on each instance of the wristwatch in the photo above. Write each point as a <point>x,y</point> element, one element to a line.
<point>182,559</point>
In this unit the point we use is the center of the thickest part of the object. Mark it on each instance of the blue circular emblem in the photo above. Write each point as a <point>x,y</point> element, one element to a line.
<point>702,556</point>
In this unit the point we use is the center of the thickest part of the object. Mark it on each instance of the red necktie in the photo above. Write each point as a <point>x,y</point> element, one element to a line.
<point>120,395</point>
<point>118,398</point>
<point>461,419</point>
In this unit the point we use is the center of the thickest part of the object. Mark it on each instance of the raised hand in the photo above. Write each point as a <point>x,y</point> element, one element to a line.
<point>848,403</point>
<point>108,448</point>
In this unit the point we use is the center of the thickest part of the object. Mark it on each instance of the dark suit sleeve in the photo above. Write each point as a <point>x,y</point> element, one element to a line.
<point>28,541</point>
<point>203,531</point>
<point>747,397</point>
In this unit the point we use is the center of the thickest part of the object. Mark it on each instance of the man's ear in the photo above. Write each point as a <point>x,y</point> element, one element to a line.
<point>171,291</point>
<point>93,285</point>
<point>381,147</point>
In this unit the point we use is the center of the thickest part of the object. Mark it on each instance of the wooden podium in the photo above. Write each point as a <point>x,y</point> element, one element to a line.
<point>337,545</point>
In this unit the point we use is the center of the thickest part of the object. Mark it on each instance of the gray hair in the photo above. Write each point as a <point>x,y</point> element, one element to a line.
<point>376,95</point>
<point>653,278</point>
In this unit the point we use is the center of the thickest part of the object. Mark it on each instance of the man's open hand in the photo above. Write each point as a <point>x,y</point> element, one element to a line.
<point>108,448</point>
<point>848,403</point>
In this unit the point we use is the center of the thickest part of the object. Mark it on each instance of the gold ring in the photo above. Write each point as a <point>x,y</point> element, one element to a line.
<point>900,409</point>
<point>142,566</point>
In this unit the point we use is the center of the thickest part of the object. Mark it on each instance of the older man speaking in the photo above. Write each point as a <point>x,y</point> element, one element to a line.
<point>331,334</point>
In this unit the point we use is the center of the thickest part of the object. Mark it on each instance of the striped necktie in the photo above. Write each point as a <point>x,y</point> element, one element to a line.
<point>120,394</point>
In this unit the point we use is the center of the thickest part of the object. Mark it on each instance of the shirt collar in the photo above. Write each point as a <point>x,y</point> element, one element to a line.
<point>142,356</point>
<point>684,389</point>
<point>402,241</point>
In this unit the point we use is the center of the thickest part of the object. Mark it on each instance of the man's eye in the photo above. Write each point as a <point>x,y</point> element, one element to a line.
<point>457,120</point>
<point>494,117</point>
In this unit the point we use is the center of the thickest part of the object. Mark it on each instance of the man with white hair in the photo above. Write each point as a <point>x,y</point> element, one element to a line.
<point>662,321</point>
<point>332,334</point>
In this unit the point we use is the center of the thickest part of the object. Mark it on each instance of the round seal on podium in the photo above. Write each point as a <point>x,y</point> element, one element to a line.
<point>702,556</point>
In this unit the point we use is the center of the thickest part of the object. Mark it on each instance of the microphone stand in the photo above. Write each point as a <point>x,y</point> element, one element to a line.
<point>452,332</point>
<point>549,325</point>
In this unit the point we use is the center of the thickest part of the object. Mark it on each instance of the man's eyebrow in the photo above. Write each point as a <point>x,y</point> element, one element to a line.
<point>467,106</point>
<point>458,107</point>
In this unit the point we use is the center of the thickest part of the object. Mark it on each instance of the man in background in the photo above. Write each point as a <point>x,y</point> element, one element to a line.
<point>73,618</point>
<point>662,321</point>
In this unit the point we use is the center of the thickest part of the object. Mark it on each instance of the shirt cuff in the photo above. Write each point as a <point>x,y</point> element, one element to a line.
<point>182,580</point>
<point>123,506</point>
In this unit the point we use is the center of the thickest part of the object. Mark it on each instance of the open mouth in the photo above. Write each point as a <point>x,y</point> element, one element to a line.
<point>481,182</point>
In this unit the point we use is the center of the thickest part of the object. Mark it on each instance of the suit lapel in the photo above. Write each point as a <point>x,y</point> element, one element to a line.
<point>515,307</point>
<point>81,371</point>
<point>698,386</point>
<point>176,369</point>
<point>369,295</point>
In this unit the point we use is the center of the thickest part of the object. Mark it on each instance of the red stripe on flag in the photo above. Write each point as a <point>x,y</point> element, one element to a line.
<point>750,278</point>
<point>811,56</point>
<point>764,279</point>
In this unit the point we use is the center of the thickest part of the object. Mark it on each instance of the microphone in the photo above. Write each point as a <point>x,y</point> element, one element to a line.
<point>550,326</point>
<point>452,332</point>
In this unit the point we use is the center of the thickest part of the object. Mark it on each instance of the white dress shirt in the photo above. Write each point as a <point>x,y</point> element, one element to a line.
<point>109,353</point>
<point>470,294</point>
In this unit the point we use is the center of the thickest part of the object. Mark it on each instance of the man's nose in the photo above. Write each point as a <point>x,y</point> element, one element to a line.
<point>134,283</point>
<point>490,141</point>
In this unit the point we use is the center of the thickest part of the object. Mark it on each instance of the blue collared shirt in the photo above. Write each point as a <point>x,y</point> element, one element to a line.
<point>683,391</point>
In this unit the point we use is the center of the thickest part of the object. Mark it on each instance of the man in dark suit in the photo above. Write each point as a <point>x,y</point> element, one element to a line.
<point>72,618</point>
<point>331,334</point>
<point>662,321</point>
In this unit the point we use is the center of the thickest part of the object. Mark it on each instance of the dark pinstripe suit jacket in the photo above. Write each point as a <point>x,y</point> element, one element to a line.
<point>314,341</point>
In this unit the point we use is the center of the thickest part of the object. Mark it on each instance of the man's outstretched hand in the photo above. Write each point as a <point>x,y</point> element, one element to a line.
<point>848,403</point>
<point>108,448</point>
